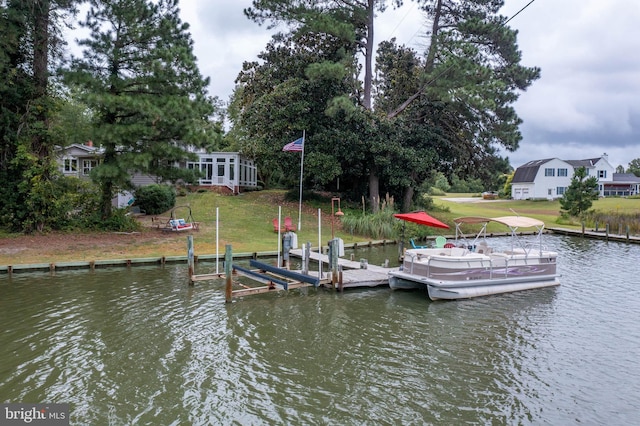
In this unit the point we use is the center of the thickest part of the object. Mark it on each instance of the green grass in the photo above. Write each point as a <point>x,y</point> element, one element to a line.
<point>245,222</point>
<point>545,210</point>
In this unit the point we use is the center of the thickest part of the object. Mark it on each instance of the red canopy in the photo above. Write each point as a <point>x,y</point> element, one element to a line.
<point>422,218</point>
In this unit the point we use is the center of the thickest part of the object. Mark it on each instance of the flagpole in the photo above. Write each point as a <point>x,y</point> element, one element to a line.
<point>301,171</point>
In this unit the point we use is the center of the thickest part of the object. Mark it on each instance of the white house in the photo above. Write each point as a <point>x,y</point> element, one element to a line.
<point>229,170</point>
<point>78,160</point>
<point>550,178</point>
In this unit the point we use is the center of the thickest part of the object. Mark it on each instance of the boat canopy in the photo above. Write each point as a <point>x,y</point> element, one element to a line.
<point>510,221</point>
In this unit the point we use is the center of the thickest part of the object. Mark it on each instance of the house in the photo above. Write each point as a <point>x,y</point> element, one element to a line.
<point>550,178</point>
<point>229,171</point>
<point>77,160</point>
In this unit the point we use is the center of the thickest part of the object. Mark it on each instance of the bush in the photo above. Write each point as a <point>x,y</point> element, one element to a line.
<point>119,221</point>
<point>155,199</point>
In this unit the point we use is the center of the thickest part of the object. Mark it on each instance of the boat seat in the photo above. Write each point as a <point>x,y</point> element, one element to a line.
<point>483,248</point>
<point>413,244</point>
<point>440,241</point>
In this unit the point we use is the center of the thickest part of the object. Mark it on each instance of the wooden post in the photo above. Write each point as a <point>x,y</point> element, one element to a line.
<point>627,233</point>
<point>607,232</point>
<point>190,261</point>
<point>333,261</point>
<point>583,228</point>
<point>307,256</point>
<point>228,259</point>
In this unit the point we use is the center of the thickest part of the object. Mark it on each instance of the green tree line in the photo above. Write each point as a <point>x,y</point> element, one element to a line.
<point>378,119</point>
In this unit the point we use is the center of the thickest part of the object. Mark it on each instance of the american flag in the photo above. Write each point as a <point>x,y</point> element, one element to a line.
<point>295,145</point>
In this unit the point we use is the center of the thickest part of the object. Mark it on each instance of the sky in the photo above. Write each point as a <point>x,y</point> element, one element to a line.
<point>586,103</point>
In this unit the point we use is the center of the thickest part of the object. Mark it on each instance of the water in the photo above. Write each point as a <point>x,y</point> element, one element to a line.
<point>139,346</point>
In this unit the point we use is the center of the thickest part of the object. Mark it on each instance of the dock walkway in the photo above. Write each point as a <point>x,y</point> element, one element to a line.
<point>352,275</point>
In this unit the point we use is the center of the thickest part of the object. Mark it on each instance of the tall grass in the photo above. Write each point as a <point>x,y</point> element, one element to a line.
<point>379,225</point>
<point>382,225</point>
<point>619,222</point>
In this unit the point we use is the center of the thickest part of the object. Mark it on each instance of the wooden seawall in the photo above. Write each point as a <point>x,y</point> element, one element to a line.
<point>600,235</point>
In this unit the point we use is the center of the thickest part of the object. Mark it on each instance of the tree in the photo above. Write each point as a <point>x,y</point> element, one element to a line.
<point>472,77</point>
<point>580,194</point>
<point>276,99</point>
<point>140,80</point>
<point>505,192</point>
<point>446,112</point>
<point>634,167</point>
<point>30,30</point>
<point>351,22</point>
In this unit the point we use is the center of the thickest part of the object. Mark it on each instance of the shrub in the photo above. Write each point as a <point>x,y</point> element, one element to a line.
<point>155,199</point>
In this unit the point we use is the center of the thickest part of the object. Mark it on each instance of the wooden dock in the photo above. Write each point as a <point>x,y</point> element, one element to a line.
<point>353,274</point>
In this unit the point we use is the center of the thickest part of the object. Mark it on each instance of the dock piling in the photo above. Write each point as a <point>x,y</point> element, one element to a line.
<point>228,260</point>
<point>190,258</point>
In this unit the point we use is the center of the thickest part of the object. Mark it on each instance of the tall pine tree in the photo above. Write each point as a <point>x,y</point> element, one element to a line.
<point>30,33</point>
<point>139,77</point>
<point>452,108</point>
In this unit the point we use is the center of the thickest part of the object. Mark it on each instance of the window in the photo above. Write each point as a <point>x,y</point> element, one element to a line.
<point>70,165</point>
<point>563,172</point>
<point>602,174</point>
<point>87,165</point>
<point>549,172</point>
<point>550,191</point>
<point>560,190</point>
<point>221,162</point>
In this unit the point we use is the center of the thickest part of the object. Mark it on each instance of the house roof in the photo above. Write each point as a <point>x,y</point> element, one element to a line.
<point>587,164</point>
<point>86,148</point>
<point>625,178</point>
<point>528,171</point>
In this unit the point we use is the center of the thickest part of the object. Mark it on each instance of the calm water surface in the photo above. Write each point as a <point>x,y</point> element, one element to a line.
<point>139,346</point>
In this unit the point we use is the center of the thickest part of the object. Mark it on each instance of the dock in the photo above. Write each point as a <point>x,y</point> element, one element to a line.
<point>351,274</point>
<point>354,274</point>
<point>599,235</point>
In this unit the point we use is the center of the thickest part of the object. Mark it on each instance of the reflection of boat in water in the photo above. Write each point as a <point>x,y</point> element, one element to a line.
<point>475,269</point>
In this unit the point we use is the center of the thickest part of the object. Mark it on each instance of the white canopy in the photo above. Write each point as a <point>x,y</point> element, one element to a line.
<point>510,221</point>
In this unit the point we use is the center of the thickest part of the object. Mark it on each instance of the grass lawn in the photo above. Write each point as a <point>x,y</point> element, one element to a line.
<point>245,222</point>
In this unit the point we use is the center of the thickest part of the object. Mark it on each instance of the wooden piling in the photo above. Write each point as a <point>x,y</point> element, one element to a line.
<point>190,259</point>
<point>228,260</point>
<point>333,261</point>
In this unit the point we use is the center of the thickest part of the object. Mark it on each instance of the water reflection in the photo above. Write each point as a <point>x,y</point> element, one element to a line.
<point>138,345</point>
